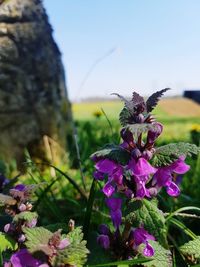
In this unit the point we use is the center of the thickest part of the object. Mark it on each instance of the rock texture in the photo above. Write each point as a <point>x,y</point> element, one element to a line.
<point>33,94</point>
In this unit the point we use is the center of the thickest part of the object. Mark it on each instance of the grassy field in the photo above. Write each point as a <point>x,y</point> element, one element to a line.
<point>179,115</point>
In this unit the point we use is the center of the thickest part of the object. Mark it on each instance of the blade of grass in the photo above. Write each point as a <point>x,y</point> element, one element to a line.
<point>79,157</point>
<point>75,185</point>
<point>109,123</point>
<point>126,262</point>
<point>49,204</point>
<point>1,259</point>
<point>43,194</point>
<point>176,212</point>
<point>183,227</point>
<point>88,213</point>
<point>181,257</point>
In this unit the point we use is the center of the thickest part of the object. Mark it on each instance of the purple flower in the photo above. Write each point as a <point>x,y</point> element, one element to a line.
<point>20,187</point>
<point>103,241</point>
<point>111,168</point>
<point>105,166</point>
<point>127,137</point>
<point>141,190</point>
<point>114,204</point>
<point>141,236</point>
<point>164,176</point>
<point>114,172</point>
<point>22,257</point>
<point>141,167</point>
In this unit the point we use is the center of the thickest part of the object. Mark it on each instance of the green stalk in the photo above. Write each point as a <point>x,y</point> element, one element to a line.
<point>88,213</point>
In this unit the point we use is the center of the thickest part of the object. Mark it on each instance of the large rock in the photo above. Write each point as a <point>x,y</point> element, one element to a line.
<point>33,94</point>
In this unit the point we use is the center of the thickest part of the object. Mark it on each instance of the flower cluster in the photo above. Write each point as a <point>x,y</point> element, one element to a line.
<point>18,206</point>
<point>18,203</point>
<point>137,177</point>
<point>125,244</point>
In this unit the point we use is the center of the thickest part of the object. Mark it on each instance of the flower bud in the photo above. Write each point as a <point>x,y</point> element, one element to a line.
<point>8,227</point>
<point>136,153</point>
<point>147,154</point>
<point>154,133</point>
<point>139,118</point>
<point>103,241</point>
<point>126,135</point>
<point>21,238</point>
<point>32,223</point>
<point>29,206</point>
<point>22,207</point>
<point>129,193</point>
<point>153,191</point>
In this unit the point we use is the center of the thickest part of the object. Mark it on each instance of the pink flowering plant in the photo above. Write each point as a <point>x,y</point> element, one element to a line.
<point>133,176</point>
<point>33,246</point>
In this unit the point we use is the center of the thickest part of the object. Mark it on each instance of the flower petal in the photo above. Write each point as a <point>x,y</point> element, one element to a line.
<point>22,257</point>
<point>105,166</point>
<point>114,203</point>
<point>162,176</point>
<point>103,241</point>
<point>148,250</point>
<point>173,190</point>
<point>141,167</point>
<point>108,189</point>
<point>64,243</point>
<point>117,175</point>
<point>179,166</point>
<point>116,217</point>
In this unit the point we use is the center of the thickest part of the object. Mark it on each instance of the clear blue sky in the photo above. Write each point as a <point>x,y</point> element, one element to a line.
<point>156,42</point>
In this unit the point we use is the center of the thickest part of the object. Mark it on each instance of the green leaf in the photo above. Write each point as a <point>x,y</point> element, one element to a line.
<point>192,249</point>
<point>125,117</point>
<point>161,258</point>
<point>126,262</point>
<point>146,213</point>
<point>56,226</point>
<point>27,216</point>
<point>6,242</point>
<point>76,253</point>
<point>152,101</point>
<point>139,128</point>
<point>75,236</point>
<point>38,239</point>
<point>167,154</point>
<point>113,152</point>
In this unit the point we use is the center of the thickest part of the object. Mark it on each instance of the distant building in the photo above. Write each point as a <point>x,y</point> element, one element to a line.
<point>192,94</point>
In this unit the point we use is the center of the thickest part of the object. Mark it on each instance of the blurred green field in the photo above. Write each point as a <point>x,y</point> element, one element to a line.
<point>179,115</point>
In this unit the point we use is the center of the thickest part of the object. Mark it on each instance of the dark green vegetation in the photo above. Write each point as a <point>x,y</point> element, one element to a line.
<point>68,192</point>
